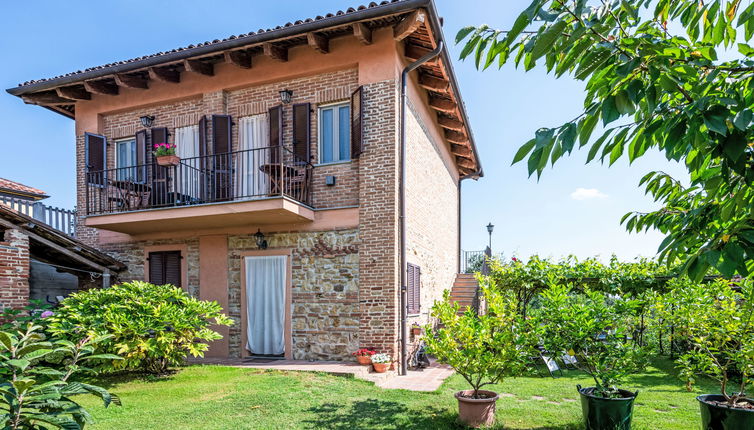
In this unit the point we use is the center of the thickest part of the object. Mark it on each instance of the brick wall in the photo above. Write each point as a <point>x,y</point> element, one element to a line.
<point>378,220</point>
<point>431,215</point>
<point>14,269</point>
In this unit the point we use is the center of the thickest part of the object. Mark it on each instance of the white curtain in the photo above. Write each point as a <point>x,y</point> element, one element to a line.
<point>253,133</point>
<point>265,304</point>
<point>187,147</point>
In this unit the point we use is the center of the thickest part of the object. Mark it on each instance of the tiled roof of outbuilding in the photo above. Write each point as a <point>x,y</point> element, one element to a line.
<point>16,187</point>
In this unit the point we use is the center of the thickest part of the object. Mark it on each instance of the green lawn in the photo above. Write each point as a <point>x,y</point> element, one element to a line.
<point>216,397</point>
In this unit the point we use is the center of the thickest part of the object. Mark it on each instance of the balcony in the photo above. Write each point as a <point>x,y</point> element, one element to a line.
<point>258,186</point>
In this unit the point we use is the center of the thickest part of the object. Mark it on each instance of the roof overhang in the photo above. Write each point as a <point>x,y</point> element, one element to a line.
<point>60,94</point>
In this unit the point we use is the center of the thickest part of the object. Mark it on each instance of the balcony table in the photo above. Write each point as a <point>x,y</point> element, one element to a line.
<point>131,191</point>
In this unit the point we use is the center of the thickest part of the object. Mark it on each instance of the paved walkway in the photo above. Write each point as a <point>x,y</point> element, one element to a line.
<point>428,379</point>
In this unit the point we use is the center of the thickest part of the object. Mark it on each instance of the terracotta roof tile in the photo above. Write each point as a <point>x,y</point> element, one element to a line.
<point>216,41</point>
<point>6,184</point>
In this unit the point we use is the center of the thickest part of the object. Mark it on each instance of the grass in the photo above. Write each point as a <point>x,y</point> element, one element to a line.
<point>216,397</point>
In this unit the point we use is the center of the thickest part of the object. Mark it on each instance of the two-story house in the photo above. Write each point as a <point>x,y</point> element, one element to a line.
<point>311,183</point>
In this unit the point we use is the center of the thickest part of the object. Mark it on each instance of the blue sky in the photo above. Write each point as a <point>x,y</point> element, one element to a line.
<point>573,209</point>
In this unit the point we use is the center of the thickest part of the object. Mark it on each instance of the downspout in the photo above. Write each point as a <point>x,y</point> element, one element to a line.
<point>402,196</point>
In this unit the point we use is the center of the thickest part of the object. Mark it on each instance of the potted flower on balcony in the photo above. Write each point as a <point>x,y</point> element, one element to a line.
<point>595,329</point>
<point>481,348</point>
<point>165,154</point>
<point>717,322</point>
<point>381,362</point>
<point>364,356</point>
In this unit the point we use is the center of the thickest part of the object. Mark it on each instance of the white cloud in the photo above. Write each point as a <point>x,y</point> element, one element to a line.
<point>588,194</point>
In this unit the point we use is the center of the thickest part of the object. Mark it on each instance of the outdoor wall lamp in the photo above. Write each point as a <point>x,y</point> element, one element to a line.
<point>490,227</point>
<point>261,242</point>
<point>147,120</point>
<point>285,96</point>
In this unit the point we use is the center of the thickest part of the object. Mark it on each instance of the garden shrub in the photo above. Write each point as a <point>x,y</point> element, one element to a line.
<point>36,394</point>
<point>152,326</point>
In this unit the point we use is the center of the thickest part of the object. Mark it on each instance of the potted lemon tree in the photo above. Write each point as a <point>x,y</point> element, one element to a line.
<point>483,349</point>
<point>717,323</point>
<point>595,329</point>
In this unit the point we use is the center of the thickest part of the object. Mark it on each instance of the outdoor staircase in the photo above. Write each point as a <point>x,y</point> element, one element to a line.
<point>464,290</point>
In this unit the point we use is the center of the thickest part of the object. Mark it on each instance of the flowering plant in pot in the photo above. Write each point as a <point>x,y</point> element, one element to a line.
<point>364,356</point>
<point>381,362</point>
<point>715,319</point>
<point>165,154</point>
<point>595,328</point>
<point>483,349</point>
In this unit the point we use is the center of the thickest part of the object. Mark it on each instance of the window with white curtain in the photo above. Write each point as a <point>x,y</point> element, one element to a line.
<point>190,175</point>
<point>254,140</point>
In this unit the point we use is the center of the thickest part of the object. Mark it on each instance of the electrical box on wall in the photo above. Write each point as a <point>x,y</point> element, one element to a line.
<point>330,180</point>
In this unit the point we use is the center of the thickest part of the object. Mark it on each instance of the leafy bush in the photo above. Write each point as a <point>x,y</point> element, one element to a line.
<point>152,326</point>
<point>595,328</point>
<point>481,348</point>
<point>716,321</point>
<point>36,312</point>
<point>36,395</point>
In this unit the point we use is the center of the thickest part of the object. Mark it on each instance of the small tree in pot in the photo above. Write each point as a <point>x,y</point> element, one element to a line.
<point>716,321</point>
<point>481,348</point>
<point>595,328</point>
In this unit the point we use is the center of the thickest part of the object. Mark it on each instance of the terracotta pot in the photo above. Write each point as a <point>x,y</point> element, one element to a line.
<point>168,160</point>
<point>476,412</point>
<point>381,367</point>
<point>364,360</point>
<point>416,331</point>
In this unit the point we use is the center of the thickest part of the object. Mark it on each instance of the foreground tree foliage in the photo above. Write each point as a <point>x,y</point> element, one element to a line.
<point>654,80</point>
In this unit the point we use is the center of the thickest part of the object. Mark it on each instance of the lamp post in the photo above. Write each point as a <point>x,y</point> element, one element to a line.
<point>490,227</point>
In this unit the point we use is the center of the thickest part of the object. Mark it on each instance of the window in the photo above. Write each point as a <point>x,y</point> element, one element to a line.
<point>125,159</point>
<point>335,133</point>
<point>165,268</point>
<point>413,288</point>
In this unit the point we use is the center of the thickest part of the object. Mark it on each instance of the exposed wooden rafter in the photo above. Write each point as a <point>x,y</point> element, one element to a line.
<point>460,150</point>
<point>442,105</point>
<point>44,98</point>
<point>363,33</point>
<point>101,87</point>
<point>409,24</point>
<point>465,162</point>
<point>456,137</point>
<point>164,74</point>
<point>450,123</point>
<point>319,42</point>
<point>131,81</point>
<point>276,52</point>
<point>434,84</point>
<point>240,58</point>
<point>75,93</point>
<point>415,52</point>
<point>200,67</point>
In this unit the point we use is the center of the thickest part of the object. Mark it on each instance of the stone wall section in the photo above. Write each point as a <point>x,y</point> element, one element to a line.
<point>324,291</point>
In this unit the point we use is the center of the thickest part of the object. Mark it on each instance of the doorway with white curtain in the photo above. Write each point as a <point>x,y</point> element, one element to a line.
<point>191,177</point>
<point>265,305</point>
<point>253,136</point>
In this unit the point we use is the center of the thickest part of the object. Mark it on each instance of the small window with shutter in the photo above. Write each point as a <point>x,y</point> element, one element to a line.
<point>165,268</point>
<point>334,133</point>
<point>413,288</point>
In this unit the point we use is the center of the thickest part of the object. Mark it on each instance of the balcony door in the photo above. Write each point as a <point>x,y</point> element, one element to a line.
<point>266,286</point>
<point>190,176</point>
<point>254,140</point>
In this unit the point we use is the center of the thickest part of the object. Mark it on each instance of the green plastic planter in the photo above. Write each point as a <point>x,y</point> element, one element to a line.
<point>716,417</point>
<point>601,413</point>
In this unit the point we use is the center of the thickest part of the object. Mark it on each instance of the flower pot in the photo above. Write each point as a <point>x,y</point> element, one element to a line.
<point>416,331</point>
<point>364,360</point>
<point>722,417</point>
<point>603,413</point>
<point>168,160</point>
<point>381,367</point>
<point>476,412</point>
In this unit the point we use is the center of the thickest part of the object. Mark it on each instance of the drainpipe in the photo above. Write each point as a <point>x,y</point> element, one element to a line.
<point>402,196</point>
